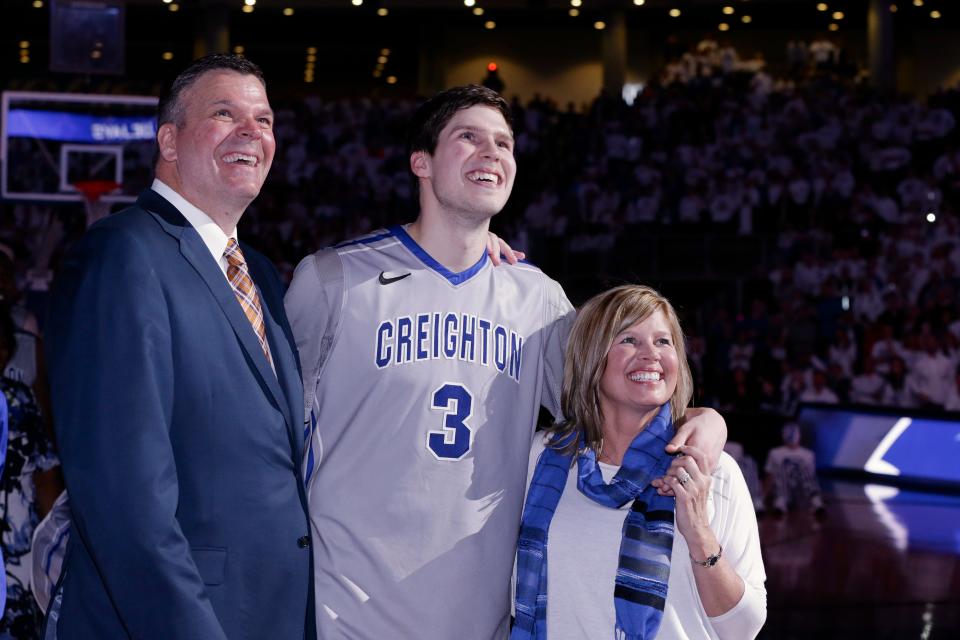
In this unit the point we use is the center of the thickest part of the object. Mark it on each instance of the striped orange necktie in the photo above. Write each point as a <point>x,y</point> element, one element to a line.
<point>246,293</point>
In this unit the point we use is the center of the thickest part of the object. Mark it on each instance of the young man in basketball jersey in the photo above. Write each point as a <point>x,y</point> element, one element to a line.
<point>425,368</point>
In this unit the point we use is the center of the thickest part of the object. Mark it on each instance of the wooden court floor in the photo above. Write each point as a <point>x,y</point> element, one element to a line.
<point>884,563</point>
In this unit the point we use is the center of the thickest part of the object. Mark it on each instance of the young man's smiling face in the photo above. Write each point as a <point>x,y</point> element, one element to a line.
<point>471,171</point>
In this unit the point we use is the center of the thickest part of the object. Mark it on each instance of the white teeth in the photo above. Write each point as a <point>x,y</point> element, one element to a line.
<point>645,376</point>
<point>482,176</point>
<point>240,157</point>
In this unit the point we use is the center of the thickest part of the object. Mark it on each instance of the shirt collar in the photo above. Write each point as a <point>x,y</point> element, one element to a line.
<point>210,232</point>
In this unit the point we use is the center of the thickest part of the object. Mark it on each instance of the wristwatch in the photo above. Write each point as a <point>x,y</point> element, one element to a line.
<point>710,561</point>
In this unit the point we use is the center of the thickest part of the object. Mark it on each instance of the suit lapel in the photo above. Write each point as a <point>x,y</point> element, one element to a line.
<point>196,253</point>
<point>282,347</point>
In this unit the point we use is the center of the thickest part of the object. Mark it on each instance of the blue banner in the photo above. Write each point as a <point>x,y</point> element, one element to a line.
<point>79,127</point>
<point>890,443</point>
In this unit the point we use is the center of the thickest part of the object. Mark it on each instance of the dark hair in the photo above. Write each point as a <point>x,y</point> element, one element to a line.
<point>171,108</point>
<point>433,115</point>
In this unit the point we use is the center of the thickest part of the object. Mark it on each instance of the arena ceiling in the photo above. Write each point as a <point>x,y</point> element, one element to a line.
<point>278,33</point>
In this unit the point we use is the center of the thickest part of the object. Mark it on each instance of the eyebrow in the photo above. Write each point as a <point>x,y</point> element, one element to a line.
<point>231,103</point>
<point>502,133</point>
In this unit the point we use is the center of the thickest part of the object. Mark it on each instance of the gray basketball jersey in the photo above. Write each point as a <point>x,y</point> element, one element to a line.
<point>423,388</point>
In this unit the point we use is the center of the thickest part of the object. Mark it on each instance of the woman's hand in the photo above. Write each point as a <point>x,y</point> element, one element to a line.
<point>718,584</point>
<point>497,246</point>
<point>690,485</point>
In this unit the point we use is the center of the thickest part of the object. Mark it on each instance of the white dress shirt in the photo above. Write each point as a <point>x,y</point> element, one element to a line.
<point>210,232</point>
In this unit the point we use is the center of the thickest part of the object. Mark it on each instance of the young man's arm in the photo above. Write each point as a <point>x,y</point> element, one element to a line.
<point>705,429</point>
<point>313,304</point>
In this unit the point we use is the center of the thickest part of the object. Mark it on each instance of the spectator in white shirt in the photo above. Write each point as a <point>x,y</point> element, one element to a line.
<point>792,474</point>
<point>952,402</point>
<point>843,352</point>
<point>931,374</point>
<point>818,391</point>
<point>868,386</point>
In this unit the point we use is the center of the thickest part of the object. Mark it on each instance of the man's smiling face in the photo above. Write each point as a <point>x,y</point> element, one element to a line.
<point>472,169</point>
<point>222,144</point>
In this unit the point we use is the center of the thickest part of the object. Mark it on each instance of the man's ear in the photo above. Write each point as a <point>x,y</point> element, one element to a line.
<point>167,141</point>
<point>420,164</point>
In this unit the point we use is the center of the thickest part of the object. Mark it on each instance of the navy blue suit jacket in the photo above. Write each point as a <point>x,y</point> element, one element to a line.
<point>180,446</point>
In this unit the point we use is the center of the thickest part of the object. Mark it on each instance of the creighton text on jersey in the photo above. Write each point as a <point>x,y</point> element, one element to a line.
<point>431,336</point>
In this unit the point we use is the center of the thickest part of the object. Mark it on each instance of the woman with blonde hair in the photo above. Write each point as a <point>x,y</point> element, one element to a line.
<point>616,567</point>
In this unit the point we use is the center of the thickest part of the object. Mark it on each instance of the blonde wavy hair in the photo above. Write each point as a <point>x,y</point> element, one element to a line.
<point>600,320</point>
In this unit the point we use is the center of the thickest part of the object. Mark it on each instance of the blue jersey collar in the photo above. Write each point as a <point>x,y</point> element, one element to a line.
<point>427,259</point>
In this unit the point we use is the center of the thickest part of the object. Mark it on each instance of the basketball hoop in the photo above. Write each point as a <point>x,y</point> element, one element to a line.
<point>93,191</point>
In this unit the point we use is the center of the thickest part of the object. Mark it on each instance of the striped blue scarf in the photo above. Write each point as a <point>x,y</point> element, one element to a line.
<point>646,545</point>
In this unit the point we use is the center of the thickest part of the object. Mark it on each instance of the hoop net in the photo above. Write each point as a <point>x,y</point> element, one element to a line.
<point>93,191</point>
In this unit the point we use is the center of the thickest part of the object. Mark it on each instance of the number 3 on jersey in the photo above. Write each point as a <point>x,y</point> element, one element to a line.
<point>452,441</point>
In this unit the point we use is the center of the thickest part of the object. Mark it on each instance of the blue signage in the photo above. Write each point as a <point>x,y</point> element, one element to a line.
<point>63,126</point>
<point>888,443</point>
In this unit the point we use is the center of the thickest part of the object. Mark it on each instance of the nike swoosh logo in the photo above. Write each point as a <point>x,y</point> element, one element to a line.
<point>385,279</point>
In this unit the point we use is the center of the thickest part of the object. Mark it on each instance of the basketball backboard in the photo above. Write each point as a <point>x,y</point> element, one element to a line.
<point>51,141</point>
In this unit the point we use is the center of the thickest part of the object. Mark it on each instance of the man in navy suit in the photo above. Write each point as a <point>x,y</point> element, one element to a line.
<point>177,394</point>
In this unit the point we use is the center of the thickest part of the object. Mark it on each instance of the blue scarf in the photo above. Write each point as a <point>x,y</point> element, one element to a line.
<point>645,546</point>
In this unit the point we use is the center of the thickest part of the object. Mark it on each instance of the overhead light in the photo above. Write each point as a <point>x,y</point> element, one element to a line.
<point>728,11</point>
<point>674,13</point>
<point>935,14</point>
<point>356,3</point>
<point>576,3</point>
<point>311,50</point>
<point>37,4</point>
<point>249,3</point>
<point>377,73</point>
<point>746,19</point>
<point>382,11</point>
<point>167,1</point>
<point>918,3</point>
<point>175,7</point>
<point>288,11</point>
<point>822,6</point>
<point>384,52</point>
<point>247,8</point>
<point>639,3</point>
<point>311,57</point>
<point>239,49</point>
<point>478,11</point>
<point>24,44</point>
<point>489,24</point>
<point>599,25</point>
<point>167,55</point>
<point>25,59</point>
<point>469,3</point>
<point>391,79</point>
<point>723,26</point>
<point>834,26</point>
<point>382,59</point>
<point>838,15</point>
<point>893,8</point>
<point>574,13</point>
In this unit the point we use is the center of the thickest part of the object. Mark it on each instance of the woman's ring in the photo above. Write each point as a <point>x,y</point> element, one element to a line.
<point>683,477</point>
